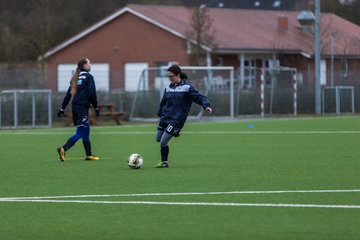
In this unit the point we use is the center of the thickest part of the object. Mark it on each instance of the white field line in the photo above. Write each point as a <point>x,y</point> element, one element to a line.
<point>183,194</point>
<point>188,203</point>
<point>55,199</point>
<point>184,132</point>
<point>234,132</point>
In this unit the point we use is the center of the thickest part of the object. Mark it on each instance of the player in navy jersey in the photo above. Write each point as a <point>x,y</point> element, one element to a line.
<point>82,93</point>
<point>174,109</point>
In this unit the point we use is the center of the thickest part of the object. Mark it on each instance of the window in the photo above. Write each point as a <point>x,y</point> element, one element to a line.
<point>249,74</point>
<point>136,75</point>
<point>100,71</point>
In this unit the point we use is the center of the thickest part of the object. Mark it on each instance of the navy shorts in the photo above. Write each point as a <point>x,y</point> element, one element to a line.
<point>170,129</point>
<point>80,115</point>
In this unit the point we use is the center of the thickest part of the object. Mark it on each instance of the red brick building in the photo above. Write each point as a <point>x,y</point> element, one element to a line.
<point>143,36</point>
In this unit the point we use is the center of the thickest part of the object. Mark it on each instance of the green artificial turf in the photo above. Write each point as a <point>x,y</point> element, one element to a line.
<point>225,181</point>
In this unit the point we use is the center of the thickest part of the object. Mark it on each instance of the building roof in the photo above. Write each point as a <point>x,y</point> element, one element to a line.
<point>244,30</point>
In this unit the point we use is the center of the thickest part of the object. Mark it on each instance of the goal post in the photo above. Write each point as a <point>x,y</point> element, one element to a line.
<point>278,87</point>
<point>338,99</point>
<point>25,108</point>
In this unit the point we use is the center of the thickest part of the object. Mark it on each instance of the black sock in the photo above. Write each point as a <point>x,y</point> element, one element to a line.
<point>87,147</point>
<point>164,153</point>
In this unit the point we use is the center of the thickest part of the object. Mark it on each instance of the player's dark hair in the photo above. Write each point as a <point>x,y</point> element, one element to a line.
<point>75,77</point>
<point>175,69</point>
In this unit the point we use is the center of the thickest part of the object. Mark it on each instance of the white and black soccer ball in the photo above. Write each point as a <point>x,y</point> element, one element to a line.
<point>135,161</point>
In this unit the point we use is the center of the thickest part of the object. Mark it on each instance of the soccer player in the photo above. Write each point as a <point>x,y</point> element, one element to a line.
<point>174,109</point>
<point>82,93</point>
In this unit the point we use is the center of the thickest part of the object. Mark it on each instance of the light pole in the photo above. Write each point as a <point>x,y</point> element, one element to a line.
<point>317,59</point>
<point>306,20</point>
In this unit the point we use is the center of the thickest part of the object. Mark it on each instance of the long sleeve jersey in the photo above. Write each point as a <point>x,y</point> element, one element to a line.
<point>176,103</point>
<point>85,93</point>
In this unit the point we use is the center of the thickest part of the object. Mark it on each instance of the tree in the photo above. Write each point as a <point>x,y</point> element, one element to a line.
<point>347,10</point>
<point>30,28</point>
<point>200,34</point>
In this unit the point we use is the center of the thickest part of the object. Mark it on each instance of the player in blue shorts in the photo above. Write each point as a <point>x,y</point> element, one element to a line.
<point>82,93</point>
<point>174,109</point>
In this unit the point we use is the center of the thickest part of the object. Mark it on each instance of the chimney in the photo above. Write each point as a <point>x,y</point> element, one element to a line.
<point>283,23</point>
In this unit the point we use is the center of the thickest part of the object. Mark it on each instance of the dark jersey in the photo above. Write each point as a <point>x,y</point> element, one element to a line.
<point>176,103</point>
<point>85,93</point>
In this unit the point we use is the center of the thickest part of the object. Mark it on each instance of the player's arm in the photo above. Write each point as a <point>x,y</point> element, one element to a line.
<point>66,99</point>
<point>65,102</point>
<point>92,95</point>
<point>92,92</point>
<point>200,99</point>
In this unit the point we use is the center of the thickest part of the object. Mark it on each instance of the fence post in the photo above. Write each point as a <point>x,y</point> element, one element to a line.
<point>15,110</point>
<point>262,86</point>
<point>33,110</point>
<point>295,92</point>
<point>50,109</point>
<point>337,97</point>
<point>232,94</point>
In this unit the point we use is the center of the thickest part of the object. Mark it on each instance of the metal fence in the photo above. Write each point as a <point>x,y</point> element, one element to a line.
<point>250,97</point>
<point>25,108</point>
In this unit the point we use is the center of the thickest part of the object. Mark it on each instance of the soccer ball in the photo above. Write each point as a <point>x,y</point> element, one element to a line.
<point>135,161</point>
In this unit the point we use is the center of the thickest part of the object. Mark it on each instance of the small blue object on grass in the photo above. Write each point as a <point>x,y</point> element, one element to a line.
<point>250,126</point>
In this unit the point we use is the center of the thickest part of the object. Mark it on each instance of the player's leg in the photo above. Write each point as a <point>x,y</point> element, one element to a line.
<point>169,132</point>
<point>69,143</point>
<point>159,134</point>
<point>164,147</point>
<point>87,145</point>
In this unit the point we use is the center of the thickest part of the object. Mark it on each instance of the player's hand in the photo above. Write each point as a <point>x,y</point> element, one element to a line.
<point>97,112</point>
<point>208,109</point>
<point>60,112</point>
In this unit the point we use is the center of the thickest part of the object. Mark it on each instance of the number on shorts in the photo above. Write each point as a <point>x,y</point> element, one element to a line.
<point>169,128</point>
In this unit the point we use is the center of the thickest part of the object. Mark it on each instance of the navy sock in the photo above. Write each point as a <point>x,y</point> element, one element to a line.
<point>164,153</point>
<point>87,147</point>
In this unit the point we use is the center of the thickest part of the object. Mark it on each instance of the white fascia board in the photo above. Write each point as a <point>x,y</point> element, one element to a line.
<point>307,55</point>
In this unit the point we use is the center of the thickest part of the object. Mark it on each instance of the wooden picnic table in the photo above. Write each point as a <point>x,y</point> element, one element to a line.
<point>105,110</point>
<point>108,110</point>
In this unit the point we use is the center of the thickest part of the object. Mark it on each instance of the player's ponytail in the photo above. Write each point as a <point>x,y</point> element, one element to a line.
<point>75,77</point>
<point>183,76</point>
<point>175,69</point>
